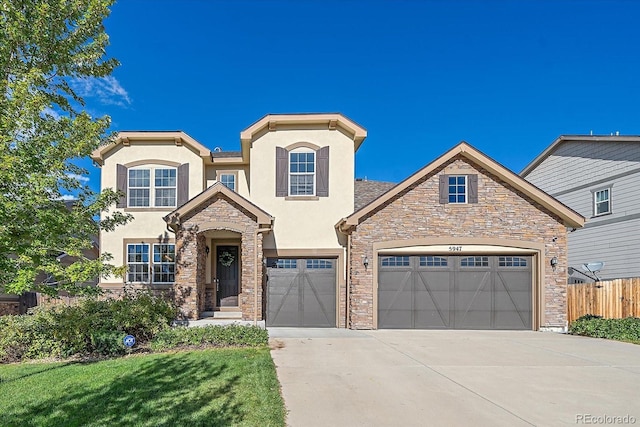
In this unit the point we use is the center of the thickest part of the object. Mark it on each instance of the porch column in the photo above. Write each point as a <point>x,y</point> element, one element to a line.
<point>186,281</point>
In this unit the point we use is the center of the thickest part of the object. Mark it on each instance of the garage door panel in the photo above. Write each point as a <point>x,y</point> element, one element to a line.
<point>512,319</point>
<point>393,280</point>
<point>516,281</point>
<point>431,319</point>
<point>516,299</point>
<point>395,299</point>
<point>462,292</point>
<point>302,292</point>
<point>396,319</point>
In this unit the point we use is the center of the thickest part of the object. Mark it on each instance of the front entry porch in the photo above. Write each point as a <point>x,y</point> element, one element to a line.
<point>219,255</point>
<point>223,276</point>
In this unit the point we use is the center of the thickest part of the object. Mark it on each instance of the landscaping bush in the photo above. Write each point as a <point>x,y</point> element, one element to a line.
<point>627,329</point>
<point>210,336</point>
<point>93,327</point>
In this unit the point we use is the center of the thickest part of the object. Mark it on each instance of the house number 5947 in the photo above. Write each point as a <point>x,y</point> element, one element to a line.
<point>455,248</point>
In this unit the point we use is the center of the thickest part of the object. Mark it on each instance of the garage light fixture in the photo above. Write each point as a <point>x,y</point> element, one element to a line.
<point>554,263</point>
<point>365,262</point>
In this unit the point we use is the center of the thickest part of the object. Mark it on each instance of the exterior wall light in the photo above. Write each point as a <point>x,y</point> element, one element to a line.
<point>365,262</point>
<point>206,249</point>
<point>554,263</point>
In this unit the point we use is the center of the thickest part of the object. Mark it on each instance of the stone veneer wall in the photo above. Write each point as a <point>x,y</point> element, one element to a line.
<point>191,257</point>
<point>501,213</point>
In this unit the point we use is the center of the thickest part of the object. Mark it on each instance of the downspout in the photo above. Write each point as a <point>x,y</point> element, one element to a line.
<point>340,227</point>
<point>347,322</point>
<point>255,274</point>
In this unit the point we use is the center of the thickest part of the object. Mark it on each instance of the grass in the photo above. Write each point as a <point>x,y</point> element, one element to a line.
<point>213,387</point>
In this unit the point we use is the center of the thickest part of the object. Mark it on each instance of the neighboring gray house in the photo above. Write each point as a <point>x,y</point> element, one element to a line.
<point>599,177</point>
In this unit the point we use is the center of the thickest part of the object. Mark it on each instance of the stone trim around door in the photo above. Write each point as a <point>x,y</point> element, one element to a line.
<point>217,213</point>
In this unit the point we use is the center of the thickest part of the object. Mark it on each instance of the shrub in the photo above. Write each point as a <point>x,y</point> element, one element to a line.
<point>627,329</point>
<point>92,327</point>
<point>108,343</point>
<point>210,336</point>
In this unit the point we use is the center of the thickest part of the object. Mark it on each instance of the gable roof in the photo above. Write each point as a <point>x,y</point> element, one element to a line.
<point>333,121</point>
<point>124,138</point>
<point>173,219</point>
<point>566,138</point>
<point>570,217</point>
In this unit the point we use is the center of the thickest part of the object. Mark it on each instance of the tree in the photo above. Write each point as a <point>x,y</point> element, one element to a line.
<point>45,46</point>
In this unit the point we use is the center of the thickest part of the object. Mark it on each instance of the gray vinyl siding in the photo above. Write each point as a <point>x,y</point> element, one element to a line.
<point>571,174</point>
<point>574,163</point>
<point>618,245</point>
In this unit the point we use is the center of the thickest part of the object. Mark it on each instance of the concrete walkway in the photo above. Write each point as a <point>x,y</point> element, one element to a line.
<point>454,378</point>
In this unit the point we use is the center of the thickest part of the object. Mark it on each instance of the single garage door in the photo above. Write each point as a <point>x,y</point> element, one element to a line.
<point>301,292</point>
<point>455,292</point>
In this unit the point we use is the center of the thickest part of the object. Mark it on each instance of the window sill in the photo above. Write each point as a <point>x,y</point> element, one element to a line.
<point>602,214</point>
<point>302,198</point>
<point>150,209</point>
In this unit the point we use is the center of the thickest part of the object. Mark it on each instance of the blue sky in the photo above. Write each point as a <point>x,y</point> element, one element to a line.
<point>506,76</point>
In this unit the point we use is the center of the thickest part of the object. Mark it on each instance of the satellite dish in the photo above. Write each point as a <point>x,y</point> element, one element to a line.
<point>593,267</point>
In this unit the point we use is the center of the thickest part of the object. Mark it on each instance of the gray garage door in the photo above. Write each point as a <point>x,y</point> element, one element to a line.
<point>301,292</point>
<point>454,292</point>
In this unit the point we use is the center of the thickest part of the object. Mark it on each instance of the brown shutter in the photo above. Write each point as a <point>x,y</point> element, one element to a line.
<point>473,188</point>
<point>183,184</point>
<point>322,172</point>
<point>444,189</point>
<point>121,183</point>
<point>282,172</point>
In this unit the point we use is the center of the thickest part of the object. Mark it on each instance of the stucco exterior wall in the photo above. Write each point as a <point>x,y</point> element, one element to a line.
<point>501,213</point>
<point>242,184</point>
<point>148,222</point>
<point>302,223</point>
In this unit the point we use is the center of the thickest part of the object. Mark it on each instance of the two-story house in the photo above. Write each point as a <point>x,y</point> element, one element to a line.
<point>272,233</point>
<point>599,177</point>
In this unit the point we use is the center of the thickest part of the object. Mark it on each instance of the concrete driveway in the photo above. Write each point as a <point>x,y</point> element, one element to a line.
<point>454,378</point>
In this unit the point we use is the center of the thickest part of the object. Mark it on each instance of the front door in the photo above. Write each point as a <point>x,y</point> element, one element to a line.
<point>227,276</point>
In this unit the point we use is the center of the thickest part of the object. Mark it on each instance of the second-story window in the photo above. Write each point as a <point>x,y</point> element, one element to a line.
<point>457,189</point>
<point>159,192</point>
<point>165,187</point>
<point>228,180</point>
<point>139,186</point>
<point>602,202</point>
<point>302,172</point>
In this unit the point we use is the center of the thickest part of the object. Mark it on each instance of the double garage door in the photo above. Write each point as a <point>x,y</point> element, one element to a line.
<point>455,292</point>
<point>301,292</point>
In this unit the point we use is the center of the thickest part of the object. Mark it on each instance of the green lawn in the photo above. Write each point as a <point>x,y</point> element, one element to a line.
<point>217,387</point>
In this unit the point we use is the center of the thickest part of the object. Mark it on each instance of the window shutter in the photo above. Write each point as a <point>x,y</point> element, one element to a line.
<point>322,172</point>
<point>282,172</point>
<point>121,183</point>
<point>183,184</point>
<point>472,181</point>
<point>444,189</point>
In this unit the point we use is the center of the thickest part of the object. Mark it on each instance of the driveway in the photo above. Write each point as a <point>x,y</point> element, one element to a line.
<point>454,378</point>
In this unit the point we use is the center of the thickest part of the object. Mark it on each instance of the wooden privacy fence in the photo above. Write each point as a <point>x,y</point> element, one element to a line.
<point>613,299</point>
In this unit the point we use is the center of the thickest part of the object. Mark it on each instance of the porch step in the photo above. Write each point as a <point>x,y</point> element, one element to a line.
<point>221,314</point>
